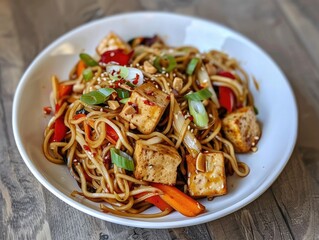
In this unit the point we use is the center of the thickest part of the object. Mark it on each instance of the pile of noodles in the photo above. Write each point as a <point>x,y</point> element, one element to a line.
<point>102,181</point>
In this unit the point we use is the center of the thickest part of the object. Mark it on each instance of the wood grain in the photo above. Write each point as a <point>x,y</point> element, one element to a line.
<point>288,30</point>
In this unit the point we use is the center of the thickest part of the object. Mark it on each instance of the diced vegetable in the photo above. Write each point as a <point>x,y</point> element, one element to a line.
<point>199,95</point>
<point>122,159</point>
<point>79,68</point>
<point>192,144</point>
<point>226,98</point>
<point>205,82</point>
<point>156,201</point>
<point>88,60</point>
<point>124,100</point>
<point>226,95</point>
<point>59,130</point>
<point>97,97</point>
<point>191,66</point>
<point>168,67</point>
<point>87,74</point>
<point>111,133</point>
<point>116,56</point>
<point>179,200</point>
<point>122,93</point>
<point>198,111</point>
<point>64,90</point>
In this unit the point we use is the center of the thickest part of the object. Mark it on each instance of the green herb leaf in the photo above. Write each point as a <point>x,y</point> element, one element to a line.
<point>87,74</point>
<point>199,95</point>
<point>88,60</point>
<point>122,159</point>
<point>256,110</point>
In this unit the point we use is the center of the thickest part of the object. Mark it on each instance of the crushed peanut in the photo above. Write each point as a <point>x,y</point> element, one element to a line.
<point>177,83</point>
<point>149,68</point>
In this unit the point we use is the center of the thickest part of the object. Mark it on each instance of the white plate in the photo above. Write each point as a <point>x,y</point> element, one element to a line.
<point>275,101</point>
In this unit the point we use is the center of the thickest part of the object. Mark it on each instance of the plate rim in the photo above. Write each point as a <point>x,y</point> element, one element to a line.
<point>136,222</point>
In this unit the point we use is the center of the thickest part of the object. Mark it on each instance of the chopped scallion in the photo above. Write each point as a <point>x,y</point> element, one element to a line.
<point>124,100</point>
<point>87,74</point>
<point>97,97</point>
<point>191,66</point>
<point>198,111</point>
<point>199,95</point>
<point>122,93</point>
<point>122,159</point>
<point>88,60</point>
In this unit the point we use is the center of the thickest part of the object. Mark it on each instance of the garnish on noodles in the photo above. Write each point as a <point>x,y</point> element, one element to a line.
<point>145,124</point>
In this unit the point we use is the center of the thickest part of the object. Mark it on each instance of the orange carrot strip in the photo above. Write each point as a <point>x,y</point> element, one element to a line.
<point>78,116</point>
<point>157,201</point>
<point>87,130</point>
<point>80,67</point>
<point>179,200</point>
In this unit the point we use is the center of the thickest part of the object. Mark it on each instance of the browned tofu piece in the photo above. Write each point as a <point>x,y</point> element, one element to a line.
<point>206,175</point>
<point>112,42</point>
<point>242,129</point>
<point>156,163</point>
<point>145,107</point>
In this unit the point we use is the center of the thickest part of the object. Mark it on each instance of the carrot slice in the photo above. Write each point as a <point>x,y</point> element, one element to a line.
<point>179,200</point>
<point>80,67</point>
<point>157,201</point>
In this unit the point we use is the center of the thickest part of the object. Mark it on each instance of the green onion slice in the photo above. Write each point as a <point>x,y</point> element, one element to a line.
<point>88,60</point>
<point>198,111</point>
<point>170,60</point>
<point>122,93</point>
<point>122,159</point>
<point>199,95</point>
<point>191,66</point>
<point>124,100</point>
<point>106,91</point>
<point>97,97</point>
<point>87,74</point>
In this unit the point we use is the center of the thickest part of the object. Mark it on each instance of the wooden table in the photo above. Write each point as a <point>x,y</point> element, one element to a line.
<point>287,29</point>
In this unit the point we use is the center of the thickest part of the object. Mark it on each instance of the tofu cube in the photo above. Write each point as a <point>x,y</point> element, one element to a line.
<point>156,163</point>
<point>145,107</point>
<point>112,42</point>
<point>242,129</point>
<point>210,182</point>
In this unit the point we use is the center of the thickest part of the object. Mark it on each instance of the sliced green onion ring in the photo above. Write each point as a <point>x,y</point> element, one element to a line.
<point>124,100</point>
<point>122,93</point>
<point>106,91</point>
<point>87,74</point>
<point>97,97</point>
<point>199,95</point>
<point>198,111</point>
<point>191,66</point>
<point>171,63</point>
<point>122,159</point>
<point>88,60</point>
<point>92,98</point>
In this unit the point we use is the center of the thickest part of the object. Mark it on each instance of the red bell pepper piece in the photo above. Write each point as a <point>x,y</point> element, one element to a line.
<point>59,130</point>
<point>111,133</point>
<point>226,95</point>
<point>118,55</point>
<point>156,201</point>
<point>64,90</point>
